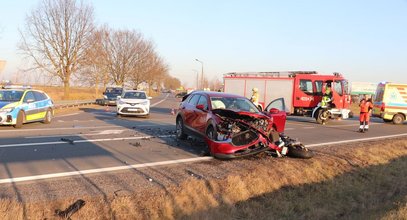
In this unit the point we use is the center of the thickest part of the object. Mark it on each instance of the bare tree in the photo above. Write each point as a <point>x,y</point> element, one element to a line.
<point>171,82</point>
<point>156,72</point>
<point>95,69</point>
<point>124,50</point>
<point>56,37</point>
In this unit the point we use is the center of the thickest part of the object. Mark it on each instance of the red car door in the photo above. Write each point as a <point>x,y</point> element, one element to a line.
<point>277,110</point>
<point>201,114</point>
<point>337,94</point>
<point>189,109</point>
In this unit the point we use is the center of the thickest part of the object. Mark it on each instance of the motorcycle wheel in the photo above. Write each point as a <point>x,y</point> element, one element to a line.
<point>299,151</point>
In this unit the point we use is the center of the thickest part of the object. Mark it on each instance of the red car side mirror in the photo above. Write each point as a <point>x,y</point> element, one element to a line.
<point>274,111</point>
<point>200,107</point>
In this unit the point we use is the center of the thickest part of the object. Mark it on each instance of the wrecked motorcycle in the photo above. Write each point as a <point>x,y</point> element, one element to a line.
<point>246,133</point>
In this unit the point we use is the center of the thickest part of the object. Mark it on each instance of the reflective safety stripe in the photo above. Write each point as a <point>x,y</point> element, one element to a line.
<point>36,116</point>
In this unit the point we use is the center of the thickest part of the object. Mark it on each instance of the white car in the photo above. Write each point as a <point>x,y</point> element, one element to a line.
<point>133,102</point>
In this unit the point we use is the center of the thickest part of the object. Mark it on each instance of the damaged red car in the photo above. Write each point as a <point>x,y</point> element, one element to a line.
<point>232,126</point>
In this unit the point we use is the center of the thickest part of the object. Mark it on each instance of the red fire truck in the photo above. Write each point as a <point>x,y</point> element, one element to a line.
<point>301,91</point>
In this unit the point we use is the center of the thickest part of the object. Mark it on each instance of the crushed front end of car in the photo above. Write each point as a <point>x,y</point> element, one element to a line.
<point>239,134</point>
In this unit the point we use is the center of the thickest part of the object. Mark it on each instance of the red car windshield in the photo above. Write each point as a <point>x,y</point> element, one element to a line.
<point>233,103</point>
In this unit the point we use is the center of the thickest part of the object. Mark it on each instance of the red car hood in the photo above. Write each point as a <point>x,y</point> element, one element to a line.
<point>239,114</point>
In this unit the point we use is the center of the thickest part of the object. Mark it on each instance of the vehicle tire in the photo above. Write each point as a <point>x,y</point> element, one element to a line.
<point>318,116</point>
<point>387,120</point>
<point>20,120</point>
<point>299,152</point>
<point>48,117</point>
<point>398,119</point>
<point>179,128</point>
<point>210,132</point>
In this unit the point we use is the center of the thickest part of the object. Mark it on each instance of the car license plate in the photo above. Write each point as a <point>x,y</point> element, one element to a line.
<point>133,110</point>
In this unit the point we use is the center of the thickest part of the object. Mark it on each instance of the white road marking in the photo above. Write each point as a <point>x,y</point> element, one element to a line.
<point>152,105</point>
<point>308,127</point>
<point>356,140</point>
<point>289,129</point>
<point>100,170</point>
<point>106,132</point>
<point>64,128</point>
<point>84,141</point>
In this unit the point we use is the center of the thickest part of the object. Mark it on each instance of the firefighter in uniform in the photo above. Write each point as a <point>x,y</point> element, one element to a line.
<point>255,97</point>
<point>327,97</point>
<point>366,107</point>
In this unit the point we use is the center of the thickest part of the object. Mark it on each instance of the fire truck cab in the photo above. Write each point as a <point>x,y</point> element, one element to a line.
<point>302,91</point>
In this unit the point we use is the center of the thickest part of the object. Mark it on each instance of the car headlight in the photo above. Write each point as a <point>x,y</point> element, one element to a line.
<point>144,103</point>
<point>6,110</point>
<point>119,102</point>
<point>105,97</point>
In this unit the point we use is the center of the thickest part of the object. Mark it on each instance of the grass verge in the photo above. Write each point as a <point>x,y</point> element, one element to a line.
<point>359,181</point>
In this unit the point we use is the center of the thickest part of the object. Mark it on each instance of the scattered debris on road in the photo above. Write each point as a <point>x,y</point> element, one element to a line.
<point>67,140</point>
<point>72,209</point>
<point>136,144</point>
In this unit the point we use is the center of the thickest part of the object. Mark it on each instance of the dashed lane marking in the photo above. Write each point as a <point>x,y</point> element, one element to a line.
<point>105,132</point>
<point>64,128</point>
<point>83,141</point>
<point>152,105</point>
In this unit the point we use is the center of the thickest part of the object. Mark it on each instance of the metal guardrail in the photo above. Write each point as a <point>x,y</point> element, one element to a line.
<point>72,103</point>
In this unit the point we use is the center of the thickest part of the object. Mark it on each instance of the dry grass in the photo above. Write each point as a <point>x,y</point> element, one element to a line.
<point>350,182</point>
<point>76,93</point>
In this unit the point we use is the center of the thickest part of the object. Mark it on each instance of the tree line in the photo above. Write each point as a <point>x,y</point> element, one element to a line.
<point>61,39</point>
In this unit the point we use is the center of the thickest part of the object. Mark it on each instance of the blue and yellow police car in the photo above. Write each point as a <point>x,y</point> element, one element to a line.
<point>22,104</point>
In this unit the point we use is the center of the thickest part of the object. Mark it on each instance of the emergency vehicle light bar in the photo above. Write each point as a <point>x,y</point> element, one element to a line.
<point>17,87</point>
<point>268,74</point>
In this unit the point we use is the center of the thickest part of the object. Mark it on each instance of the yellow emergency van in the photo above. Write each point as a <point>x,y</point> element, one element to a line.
<point>390,102</point>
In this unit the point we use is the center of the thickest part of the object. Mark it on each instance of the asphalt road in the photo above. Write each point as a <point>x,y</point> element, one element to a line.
<point>95,140</point>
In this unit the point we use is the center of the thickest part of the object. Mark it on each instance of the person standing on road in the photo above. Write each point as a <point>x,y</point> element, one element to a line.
<point>366,107</point>
<point>327,96</point>
<point>255,97</point>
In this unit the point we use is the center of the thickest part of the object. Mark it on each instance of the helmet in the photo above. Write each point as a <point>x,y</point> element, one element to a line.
<point>255,90</point>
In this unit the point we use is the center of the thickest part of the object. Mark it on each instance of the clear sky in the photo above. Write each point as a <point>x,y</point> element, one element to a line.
<point>366,40</point>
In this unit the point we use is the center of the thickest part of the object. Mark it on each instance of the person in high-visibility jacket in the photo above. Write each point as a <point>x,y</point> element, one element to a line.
<point>255,97</point>
<point>327,97</point>
<point>366,107</point>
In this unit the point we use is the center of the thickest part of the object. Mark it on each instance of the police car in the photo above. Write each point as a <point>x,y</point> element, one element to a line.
<point>21,104</point>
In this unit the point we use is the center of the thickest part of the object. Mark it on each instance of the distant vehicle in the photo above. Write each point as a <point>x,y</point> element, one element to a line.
<point>390,102</point>
<point>234,127</point>
<point>110,95</point>
<point>19,105</point>
<point>302,91</point>
<point>133,102</point>
<point>180,94</point>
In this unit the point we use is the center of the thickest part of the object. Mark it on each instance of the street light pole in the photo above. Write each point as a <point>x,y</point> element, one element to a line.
<point>202,74</point>
<point>197,78</point>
